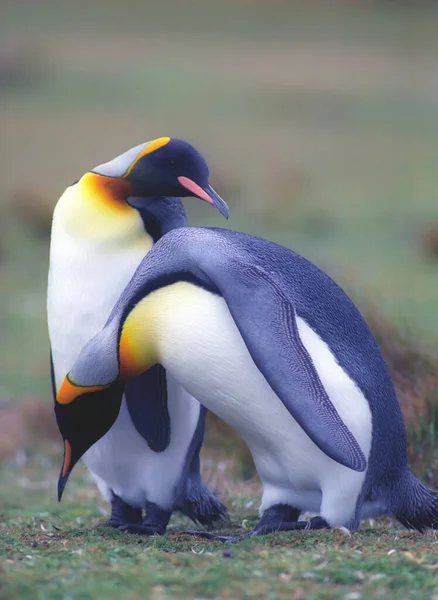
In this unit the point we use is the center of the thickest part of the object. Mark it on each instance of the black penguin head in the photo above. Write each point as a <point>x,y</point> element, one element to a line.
<point>164,167</point>
<point>83,422</point>
<point>89,399</point>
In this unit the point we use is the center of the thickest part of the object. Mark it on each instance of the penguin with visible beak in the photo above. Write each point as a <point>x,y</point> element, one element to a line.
<point>103,225</point>
<point>276,349</point>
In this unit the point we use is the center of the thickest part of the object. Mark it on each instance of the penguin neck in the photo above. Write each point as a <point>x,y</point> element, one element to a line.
<point>162,214</point>
<point>96,210</point>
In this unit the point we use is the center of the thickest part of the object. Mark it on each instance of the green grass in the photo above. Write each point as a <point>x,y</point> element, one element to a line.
<point>305,567</point>
<point>50,551</point>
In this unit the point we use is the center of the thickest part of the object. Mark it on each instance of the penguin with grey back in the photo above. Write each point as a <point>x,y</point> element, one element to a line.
<point>103,226</point>
<point>275,348</point>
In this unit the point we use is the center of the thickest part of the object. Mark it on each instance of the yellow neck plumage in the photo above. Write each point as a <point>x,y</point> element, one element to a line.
<point>138,350</point>
<point>154,323</point>
<point>96,208</point>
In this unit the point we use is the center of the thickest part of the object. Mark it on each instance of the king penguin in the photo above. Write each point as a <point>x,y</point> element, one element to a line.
<point>275,348</point>
<point>103,225</point>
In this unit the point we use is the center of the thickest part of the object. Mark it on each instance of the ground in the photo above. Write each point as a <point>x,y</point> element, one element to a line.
<point>56,552</point>
<point>320,127</point>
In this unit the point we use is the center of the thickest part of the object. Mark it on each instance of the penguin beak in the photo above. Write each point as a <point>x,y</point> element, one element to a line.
<point>83,419</point>
<point>66,469</point>
<point>207,194</point>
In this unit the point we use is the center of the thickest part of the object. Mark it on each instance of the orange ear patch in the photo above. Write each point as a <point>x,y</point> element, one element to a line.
<point>106,192</point>
<point>67,457</point>
<point>151,147</point>
<point>155,144</point>
<point>69,391</point>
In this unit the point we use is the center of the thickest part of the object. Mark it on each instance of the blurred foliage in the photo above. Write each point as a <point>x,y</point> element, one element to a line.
<point>319,121</point>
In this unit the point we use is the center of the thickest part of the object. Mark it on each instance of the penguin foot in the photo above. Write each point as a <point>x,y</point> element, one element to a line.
<point>122,514</point>
<point>280,517</point>
<point>314,523</point>
<point>259,530</point>
<point>154,523</point>
<point>110,523</point>
<point>143,529</point>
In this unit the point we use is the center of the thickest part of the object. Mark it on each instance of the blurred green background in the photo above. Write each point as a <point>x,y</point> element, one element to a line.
<point>319,121</point>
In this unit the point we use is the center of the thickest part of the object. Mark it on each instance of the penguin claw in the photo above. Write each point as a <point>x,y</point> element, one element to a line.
<point>148,529</point>
<point>263,529</point>
<point>122,513</point>
<point>231,539</point>
<point>110,523</point>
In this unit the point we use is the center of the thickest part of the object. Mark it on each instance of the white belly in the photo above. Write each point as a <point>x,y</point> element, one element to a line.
<point>125,463</point>
<point>84,285</point>
<point>85,281</point>
<point>200,345</point>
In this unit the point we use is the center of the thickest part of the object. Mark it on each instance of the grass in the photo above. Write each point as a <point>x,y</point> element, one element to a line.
<point>51,551</point>
<point>320,125</point>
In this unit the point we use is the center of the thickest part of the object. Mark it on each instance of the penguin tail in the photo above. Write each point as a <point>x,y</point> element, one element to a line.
<point>199,503</point>
<point>416,505</point>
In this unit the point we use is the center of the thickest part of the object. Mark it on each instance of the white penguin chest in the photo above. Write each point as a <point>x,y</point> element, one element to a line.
<point>198,342</point>
<point>86,278</point>
<point>85,282</point>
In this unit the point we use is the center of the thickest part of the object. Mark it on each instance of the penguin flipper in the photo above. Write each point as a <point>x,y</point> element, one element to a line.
<point>266,318</point>
<point>146,399</point>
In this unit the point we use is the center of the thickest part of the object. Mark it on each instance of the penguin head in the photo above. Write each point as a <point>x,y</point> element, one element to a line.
<point>164,167</point>
<point>89,399</point>
<point>83,422</point>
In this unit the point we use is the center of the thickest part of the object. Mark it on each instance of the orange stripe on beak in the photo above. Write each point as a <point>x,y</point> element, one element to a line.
<point>195,189</point>
<point>67,458</point>
<point>207,194</point>
<point>69,391</point>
